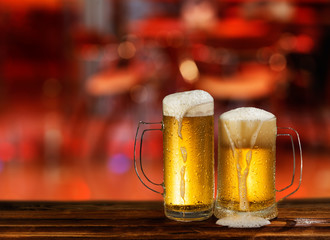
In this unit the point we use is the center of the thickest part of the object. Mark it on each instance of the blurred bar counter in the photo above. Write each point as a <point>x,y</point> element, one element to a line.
<point>297,219</point>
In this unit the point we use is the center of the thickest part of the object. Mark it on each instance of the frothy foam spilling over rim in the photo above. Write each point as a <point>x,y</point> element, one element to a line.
<point>247,113</point>
<point>189,103</point>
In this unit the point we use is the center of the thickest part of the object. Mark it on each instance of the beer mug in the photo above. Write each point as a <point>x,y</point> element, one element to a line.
<point>246,164</point>
<point>188,155</point>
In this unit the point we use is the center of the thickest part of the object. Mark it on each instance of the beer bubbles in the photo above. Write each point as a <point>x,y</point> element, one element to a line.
<point>246,183</point>
<point>188,149</point>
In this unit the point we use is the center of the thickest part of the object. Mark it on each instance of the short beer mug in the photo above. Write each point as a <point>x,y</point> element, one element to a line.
<point>246,164</point>
<point>188,155</point>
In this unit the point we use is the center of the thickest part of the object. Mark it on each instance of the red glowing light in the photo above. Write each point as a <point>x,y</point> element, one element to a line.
<point>7,151</point>
<point>304,44</point>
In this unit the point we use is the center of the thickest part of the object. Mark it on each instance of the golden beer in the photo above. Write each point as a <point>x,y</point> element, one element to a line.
<point>188,152</point>
<point>246,163</point>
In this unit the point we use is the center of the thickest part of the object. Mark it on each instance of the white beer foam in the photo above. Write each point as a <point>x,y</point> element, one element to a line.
<point>189,104</point>
<point>243,221</point>
<point>247,113</point>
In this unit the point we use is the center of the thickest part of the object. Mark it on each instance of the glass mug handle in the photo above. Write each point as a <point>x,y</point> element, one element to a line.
<point>140,153</point>
<point>294,161</point>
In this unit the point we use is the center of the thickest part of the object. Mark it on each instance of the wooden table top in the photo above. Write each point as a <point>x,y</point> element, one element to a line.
<point>297,219</point>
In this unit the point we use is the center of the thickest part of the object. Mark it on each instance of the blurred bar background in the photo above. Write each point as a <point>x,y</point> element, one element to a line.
<point>76,76</point>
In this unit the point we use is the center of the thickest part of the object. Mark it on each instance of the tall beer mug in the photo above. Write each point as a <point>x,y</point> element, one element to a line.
<point>188,155</point>
<point>246,164</point>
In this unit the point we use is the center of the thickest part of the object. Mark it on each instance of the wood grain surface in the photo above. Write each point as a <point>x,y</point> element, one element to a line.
<point>297,219</point>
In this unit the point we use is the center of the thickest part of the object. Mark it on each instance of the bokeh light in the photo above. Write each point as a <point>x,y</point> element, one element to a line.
<point>119,163</point>
<point>189,70</point>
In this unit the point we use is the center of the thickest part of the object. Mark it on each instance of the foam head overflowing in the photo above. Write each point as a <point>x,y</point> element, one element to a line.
<point>244,127</point>
<point>247,113</point>
<point>188,104</point>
